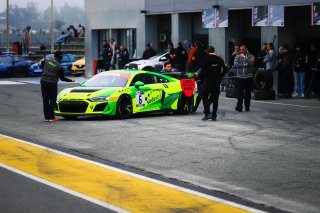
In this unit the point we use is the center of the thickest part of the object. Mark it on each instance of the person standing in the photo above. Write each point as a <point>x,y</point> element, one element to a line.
<point>181,57</point>
<point>244,63</point>
<point>269,64</point>
<point>299,68</point>
<point>213,69</point>
<point>148,52</point>
<point>52,72</point>
<point>114,48</point>
<point>123,57</point>
<point>259,63</point>
<point>106,54</point>
<point>172,54</point>
<point>26,41</point>
<point>286,70</point>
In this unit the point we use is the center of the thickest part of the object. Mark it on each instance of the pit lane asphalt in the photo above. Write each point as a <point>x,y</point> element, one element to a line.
<point>269,155</point>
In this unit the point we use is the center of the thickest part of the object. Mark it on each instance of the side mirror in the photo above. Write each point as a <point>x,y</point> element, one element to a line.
<point>83,83</point>
<point>163,58</point>
<point>138,84</point>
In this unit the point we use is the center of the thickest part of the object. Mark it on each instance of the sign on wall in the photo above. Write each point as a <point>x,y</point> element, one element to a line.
<point>208,18</point>
<point>315,13</point>
<point>260,16</point>
<point>271,15</point>
<point>213,18</point>
<point>276,15</point>
<point>221,17</point>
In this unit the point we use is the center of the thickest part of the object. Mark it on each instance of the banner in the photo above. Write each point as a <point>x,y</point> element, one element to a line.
<point>315,13</point>
<point>260,16</point>
<point>276,15</point>
<point>221,17</point>
<point>208,18</point>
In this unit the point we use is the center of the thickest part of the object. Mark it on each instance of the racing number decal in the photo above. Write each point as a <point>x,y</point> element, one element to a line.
<point>140,99</point>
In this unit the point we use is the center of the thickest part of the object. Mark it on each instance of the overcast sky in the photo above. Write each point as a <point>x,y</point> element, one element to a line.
<point>42,4</point>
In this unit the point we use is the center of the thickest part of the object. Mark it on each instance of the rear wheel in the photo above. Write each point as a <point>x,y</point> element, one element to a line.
<point>124,107</point>
<point>185,104</point>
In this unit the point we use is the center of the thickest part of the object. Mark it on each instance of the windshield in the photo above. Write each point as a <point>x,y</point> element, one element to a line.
<point>5,59</point>
<point>108,80</point>
<point>157,56</point>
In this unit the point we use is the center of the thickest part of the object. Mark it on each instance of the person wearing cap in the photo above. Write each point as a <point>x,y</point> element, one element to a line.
<point>148,52</point>
<point>52,72</point>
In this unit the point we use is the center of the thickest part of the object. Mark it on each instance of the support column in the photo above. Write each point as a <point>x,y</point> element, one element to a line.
<point>217,38</point>
<point>181,28</point>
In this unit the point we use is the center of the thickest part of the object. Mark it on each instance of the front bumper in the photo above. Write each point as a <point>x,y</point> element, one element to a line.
<point>84,107</point>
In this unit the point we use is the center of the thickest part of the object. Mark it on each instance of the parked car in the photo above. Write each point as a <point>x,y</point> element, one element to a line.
<point>149,64</point>
<point>66,63</point>
<point>78,68</point>
<point>14,65</point>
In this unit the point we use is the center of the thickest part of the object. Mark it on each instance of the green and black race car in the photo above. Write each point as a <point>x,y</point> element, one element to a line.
<point>123,93</point>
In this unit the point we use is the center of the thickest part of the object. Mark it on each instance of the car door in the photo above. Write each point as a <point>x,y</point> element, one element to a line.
<point>20,66</point>
<point>148,97</point>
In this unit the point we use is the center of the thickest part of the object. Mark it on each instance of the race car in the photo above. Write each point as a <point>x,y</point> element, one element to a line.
<point>12,65</point>
<point>78,67</point>
<point>123,93</point>
<point>149,64</point>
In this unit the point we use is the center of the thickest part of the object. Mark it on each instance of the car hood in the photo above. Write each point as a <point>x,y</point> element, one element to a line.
<point>87,92</point>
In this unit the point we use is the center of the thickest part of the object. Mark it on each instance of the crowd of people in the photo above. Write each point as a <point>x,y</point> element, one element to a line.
<point>295,71</point>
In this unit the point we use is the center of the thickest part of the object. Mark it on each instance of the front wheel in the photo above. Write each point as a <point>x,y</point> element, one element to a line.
<point>185,104</point>
<point>124,107</point>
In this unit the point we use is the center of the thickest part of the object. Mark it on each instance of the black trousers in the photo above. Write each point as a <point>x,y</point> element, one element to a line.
<point>49,98</point>
<point>211,96</point>
<point>244,88</point>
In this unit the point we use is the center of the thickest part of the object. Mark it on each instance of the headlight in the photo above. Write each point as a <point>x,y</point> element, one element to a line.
<point>99,99</point>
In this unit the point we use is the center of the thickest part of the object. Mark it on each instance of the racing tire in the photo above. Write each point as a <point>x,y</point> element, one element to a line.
<point>70,117</point>
<point>264,94</point>
<point>124,107</point>
<point>185,104</point>
<point>263,80</point>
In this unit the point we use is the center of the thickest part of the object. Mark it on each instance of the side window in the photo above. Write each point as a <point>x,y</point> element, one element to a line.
<point>64,58</point>
<point>145,78</point>
<point>136,78</point>
<point>162,80</point>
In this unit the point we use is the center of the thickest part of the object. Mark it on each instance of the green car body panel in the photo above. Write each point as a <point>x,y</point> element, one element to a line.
<point>162,95</point>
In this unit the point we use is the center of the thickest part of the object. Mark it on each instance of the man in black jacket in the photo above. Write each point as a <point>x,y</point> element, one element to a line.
<point>213,69</point>
<point>52,72</point>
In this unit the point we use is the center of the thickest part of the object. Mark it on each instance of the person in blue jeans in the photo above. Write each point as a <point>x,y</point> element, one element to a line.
<point>299,68</point>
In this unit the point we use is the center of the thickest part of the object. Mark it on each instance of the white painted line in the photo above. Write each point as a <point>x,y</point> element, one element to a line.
<point>141,177</point>
<point>10,83</point>
<point>281,104</point>
<point>64,189</point>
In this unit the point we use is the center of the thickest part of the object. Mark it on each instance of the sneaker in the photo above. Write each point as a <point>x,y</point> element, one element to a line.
<point>247,110</point>
<point>47,120</point>
<point>206,117</point>
<point>213,119</point>
<point>302,96</point>
<point>194,110</point>
<point>54,119</point>
<point>238,109</point>
<point>295,95</point>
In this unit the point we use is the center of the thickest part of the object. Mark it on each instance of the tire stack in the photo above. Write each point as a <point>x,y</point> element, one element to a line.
<point>231,84</point>
<point>263,82</point>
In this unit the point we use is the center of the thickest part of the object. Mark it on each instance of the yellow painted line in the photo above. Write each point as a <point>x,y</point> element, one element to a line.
<point>124,190</point>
